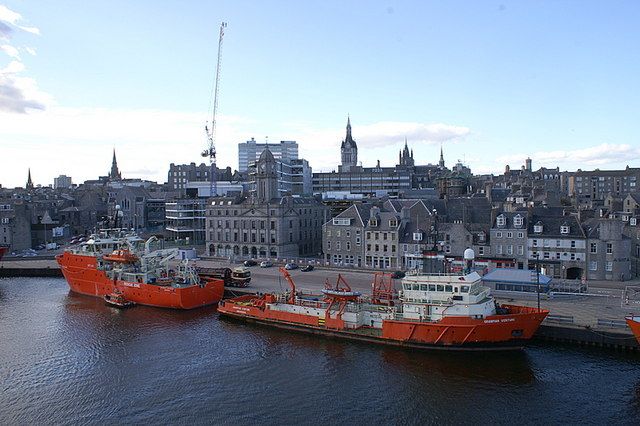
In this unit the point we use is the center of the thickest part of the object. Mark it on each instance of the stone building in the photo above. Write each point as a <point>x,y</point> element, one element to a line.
<point>15,224</point>
<point>608,250</point>
<point>343,236</point>
<point>509,238</point>
<point>557,241</point>
<point>265,224</point>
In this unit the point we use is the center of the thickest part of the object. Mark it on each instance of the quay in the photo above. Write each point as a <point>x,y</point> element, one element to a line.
<point>596,319</point>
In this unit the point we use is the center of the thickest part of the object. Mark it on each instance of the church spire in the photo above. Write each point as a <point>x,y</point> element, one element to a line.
<point>348,149</point>
<point>29,181</point>
<point>348,128</point>
<point>441,163</point>
<point>114,174</point>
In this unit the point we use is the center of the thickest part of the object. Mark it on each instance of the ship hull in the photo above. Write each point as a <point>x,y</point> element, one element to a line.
<point>634,325</point>
<point>84,278</point>
<point>499,332</point>
<point>362,337</point>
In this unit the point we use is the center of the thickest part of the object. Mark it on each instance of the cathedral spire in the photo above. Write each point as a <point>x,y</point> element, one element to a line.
<point>29,181</point>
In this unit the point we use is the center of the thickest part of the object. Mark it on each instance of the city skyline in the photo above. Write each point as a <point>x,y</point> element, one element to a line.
<point>492,83</point>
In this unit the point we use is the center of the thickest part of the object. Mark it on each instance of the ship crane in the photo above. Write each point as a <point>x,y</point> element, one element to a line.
<point>211,131</point>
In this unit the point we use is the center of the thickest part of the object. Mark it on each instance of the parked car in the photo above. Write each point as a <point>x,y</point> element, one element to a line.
<point>307,268</point>
<point>266,264</point>
<point>290,266</point>
<point>250,262</point>
<point>398,274</point>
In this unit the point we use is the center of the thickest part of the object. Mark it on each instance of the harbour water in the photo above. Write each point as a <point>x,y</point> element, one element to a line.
<point>69,359</point>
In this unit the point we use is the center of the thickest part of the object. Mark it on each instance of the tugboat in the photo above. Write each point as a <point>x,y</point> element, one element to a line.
<point>633,321</point>
<point>122,266</point>
<point>430,312</point>
<point>117,300</point>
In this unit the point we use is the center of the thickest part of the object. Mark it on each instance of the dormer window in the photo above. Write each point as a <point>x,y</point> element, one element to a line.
<point>417,236</point>
<point>632,221</point>
<point>537,228</point>
<point>564,229</point>
<point>501,220</point>
<point>517,221</point>
<point>393,223</point>
<point>373,222</point>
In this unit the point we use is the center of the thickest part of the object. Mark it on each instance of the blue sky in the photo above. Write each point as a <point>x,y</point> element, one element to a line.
<point>491,81</point>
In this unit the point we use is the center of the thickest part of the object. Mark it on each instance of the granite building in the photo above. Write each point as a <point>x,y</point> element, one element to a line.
<point>265,224</point>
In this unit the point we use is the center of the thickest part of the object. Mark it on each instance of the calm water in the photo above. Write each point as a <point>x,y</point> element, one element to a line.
<point>68,359</point>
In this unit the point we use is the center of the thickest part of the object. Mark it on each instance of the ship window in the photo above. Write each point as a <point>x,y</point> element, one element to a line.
<point>406,286</point>
<point>448,288</point>
<point>455,289</point>
<point>424,287</point>
<point>440,287</point>
<point>432,287</point>
<point>416,287</point>
<point>465,289</point>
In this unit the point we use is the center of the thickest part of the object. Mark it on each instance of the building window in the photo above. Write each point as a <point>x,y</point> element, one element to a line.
<point>609,266</point>
<point>520,250</point>
<point>417,236</point>
<point>358,241</point>
<point>593,248</point>
<point>573,244</point>
<point>498,234</point>
<point>517,221</point>
<point>501,220</point>
<point>481,250</point>
<point>593,265</point>
<point>341,221</point>
<point>404,247</point>
<point>609,248</point>
<point>535,243</point>
<point>546,255</point>
<point>564,229</point>
<point>520,234</point>
<point>348,245</point>
<point>573,256</point>
<point>509,234</point>
<point>499,249</point>
<point>338,245</point>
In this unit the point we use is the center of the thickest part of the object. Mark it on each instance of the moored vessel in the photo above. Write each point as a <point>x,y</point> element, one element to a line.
<point>633,321</point>
<point>3,250</point>
<point>114,262</point>
<point>429,312</point>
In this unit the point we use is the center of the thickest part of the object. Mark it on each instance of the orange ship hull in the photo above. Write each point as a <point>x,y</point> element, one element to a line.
<point>83,277</point>
<point>461,333</point>
<point>634,325</point>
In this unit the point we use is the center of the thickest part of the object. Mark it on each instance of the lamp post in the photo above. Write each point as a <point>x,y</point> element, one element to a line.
<point>537,254</point>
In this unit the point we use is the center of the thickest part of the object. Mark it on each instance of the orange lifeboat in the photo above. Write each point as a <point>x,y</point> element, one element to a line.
<point>121,256</point>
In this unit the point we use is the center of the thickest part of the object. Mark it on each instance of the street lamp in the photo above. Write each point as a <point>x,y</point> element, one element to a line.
<point>537,254</point>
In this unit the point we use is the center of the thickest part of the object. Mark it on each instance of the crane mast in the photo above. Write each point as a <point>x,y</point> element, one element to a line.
<point>211,132</point>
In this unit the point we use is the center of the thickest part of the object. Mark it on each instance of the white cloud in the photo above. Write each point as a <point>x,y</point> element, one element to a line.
<point>8,16</point>
<point>78,142</point>
<point>389,132</point>
<point>10,50</point>
<point>18,94</point>
<point>605,154</point>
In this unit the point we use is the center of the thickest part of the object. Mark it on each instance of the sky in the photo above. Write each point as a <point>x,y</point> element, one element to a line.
<point>491,82</point>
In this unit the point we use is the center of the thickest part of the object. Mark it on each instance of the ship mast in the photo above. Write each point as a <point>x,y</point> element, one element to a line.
<point>211,132</point>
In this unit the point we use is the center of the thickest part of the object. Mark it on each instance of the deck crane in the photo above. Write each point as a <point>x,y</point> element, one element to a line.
<point>211,132</point>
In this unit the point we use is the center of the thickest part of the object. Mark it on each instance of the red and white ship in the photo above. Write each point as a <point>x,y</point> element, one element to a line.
<point>633,321</point>
<point>115,265</point>
<point>430,312</point>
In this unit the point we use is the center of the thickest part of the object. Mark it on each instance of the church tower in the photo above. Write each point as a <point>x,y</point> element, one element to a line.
<point>348,150</point>
<point>406,156</point>
<point>266,177</point>
<point>29,181</point>
<point>114,174</point>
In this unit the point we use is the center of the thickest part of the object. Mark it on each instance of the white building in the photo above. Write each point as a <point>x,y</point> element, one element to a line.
<point>249,152</point>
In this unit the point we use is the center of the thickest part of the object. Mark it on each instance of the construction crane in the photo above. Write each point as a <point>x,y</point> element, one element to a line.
<point>211,132</point>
